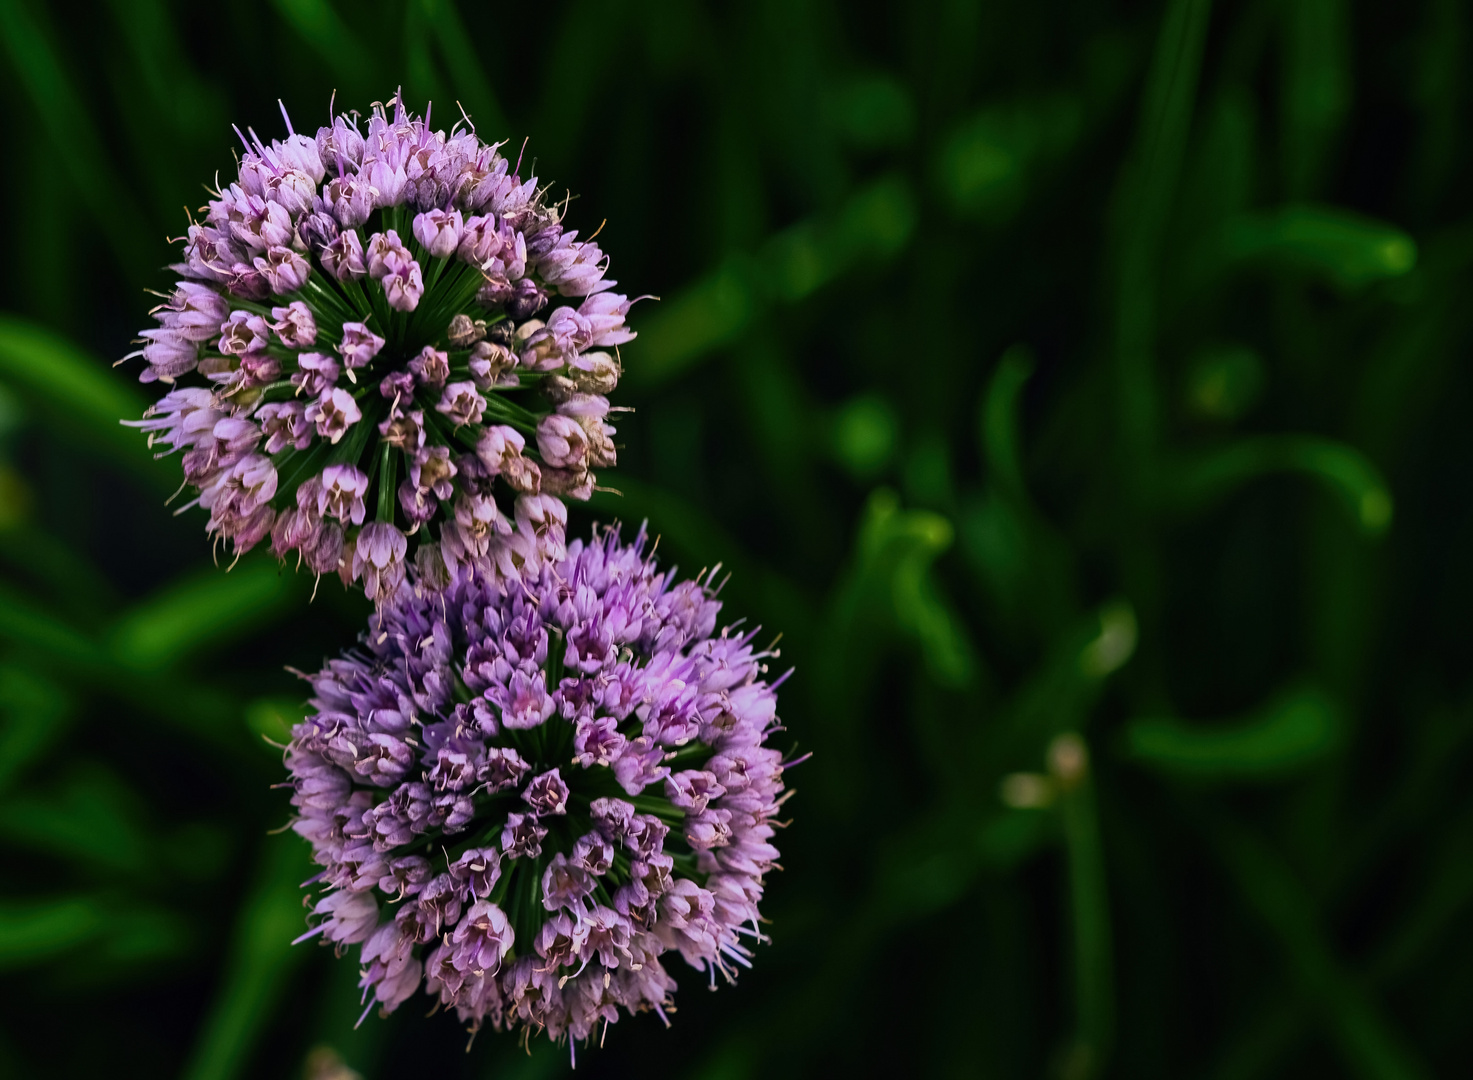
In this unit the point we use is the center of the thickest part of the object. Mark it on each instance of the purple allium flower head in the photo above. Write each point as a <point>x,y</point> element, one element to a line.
<point>529,796</point>
<point>395,293</point>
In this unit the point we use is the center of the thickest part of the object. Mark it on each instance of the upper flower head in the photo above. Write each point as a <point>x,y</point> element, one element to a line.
<point>365,298</point>
<point>525,794</point>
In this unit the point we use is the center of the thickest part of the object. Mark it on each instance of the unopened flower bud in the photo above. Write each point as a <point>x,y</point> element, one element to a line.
<point>558,389</point>
<point>595,373</point>
<point>561,441</point>
<point>465,332</point>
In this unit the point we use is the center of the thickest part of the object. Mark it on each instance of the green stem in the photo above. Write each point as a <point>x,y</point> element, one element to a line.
<point>386,483</point>
<point>1094,993</point>
<point>660,807</point>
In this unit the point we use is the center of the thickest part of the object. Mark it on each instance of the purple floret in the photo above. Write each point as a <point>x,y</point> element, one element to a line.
<point>531,838</point>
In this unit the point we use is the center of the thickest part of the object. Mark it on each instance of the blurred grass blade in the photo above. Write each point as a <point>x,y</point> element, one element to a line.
<point>66,576</point>
<point>687,534</point>
<point>209,607</point>
<point>1343,247</point>
<point>872,227</point>
<point>1316,91</point>
<point>1348,474</point>
<point>1114,645</point>
<point>897,548</point>
<point>74,140</point>
<point>984,166</point>
<point>1443,899</point>
<point>422,79</point>
<point>320,26</point>
<point>711,313</point>
<point>35,930</point>
<point>272,719</point>
<point>1000,437</point>
<point>162,68</point>
<point>1369,1047</point>
<point>1296,730</point>
<point>1089,906</point>
<point>26,624</point>
<point>261,957</point>
<point>1006,839</point>
<point>91,818</point>
<point>34,713</point>
<point>78,393</point>
<point>1147,195</point>
<point>458,48</point>
<point>1166,112</point>
<point>865,435</point>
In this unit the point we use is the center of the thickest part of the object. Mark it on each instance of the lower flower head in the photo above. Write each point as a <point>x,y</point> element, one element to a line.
<point>525,796</point>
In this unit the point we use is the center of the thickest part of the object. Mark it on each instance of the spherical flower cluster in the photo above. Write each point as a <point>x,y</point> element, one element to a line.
<point>366,345</point>
<point>525,794</point>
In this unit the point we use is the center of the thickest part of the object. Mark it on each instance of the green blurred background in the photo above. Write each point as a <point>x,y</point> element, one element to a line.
<point>1082,388</point>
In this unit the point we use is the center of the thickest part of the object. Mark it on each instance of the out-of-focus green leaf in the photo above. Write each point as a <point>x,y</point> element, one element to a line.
<point>1370,1048</point>
<point>143,934</point>
<point>195,850</point>
<point>875,224</point>
<point>996,542</point>
<point>73,137</point>
<point>15,499</point>
<point>115,931</point>
<point>1343,247</point>
<point>1005,539</point>
<point>874,112</point>
<point>69,576</point>
<point>11,411</point>
<point>981,169</point>
<point>1147,191</point>
<point>320,26</point>
<point>1343,469</point>
<point>261,958</point>
<point>205,609</point>
<point>925,869</point>
<point>24,623</point>
<point>984,166</point>
<point>77,393</point>
<point>34,713</point>
<point>459,49</point>
<point>731,1061</point>
<point>896,550</point>
<point>1316,93</point>
<point>172,90</point>
<point>1089,904</point>
<point>1109,650</point>
<point>865,433</point>
<point>1223,381</point>
<point>32,930</point>
<point>91,818</point>
<point>1291,732</point>
<point>998,422</point>
<point>271,719</point>
<point>707,315</point>
<point>422,75</point>
<point>927,475</point>
<point>1008,838</point>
